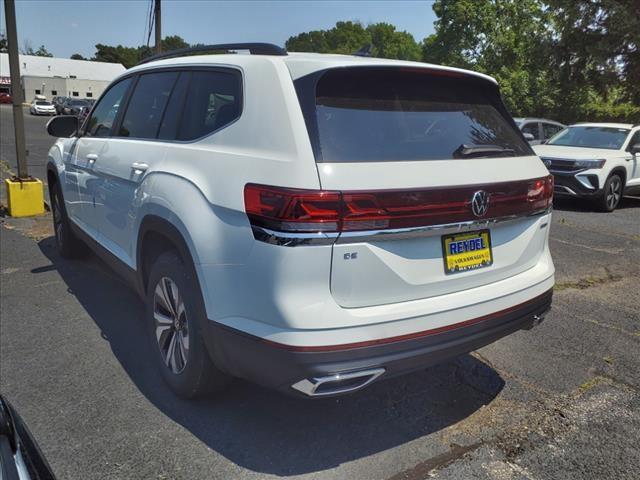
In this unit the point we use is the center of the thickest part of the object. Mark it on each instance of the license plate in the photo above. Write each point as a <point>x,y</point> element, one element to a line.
<point>466,251</point>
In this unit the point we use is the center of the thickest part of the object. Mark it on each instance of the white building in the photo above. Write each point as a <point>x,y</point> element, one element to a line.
<point>53,77</point>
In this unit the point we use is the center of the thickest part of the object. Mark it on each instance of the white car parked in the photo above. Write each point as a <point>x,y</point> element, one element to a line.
<point>597,161</point>
<point>308,222</point>
<point>42,107</point>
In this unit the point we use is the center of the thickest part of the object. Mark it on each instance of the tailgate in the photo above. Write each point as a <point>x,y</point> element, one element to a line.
<point>411,151</point>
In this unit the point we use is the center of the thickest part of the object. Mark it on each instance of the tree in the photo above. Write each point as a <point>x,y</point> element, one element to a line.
<point>173,42</point>
<point>27,49</point>
<point>77,56</point>
<point>349,37</point>
<point>130,56</point>
<point>389,43</point>
<point>508,39</point>
<point>127,56</point>
<point>572,60</point>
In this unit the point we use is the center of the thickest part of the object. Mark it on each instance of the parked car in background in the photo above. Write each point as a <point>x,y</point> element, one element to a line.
<point>42,107</point>
<point>58,102</point>
<point>538,130</point>
<point>5,98</point>
<point>75,106</point>
<point>309,222</point>
<point>597,161</point>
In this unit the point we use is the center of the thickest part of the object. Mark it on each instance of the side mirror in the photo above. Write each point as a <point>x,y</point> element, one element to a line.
<point>635,149</point>
<point>63,126</point>
<point>529,137</point>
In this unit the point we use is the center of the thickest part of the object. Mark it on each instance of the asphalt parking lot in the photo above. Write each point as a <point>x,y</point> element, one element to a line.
<point>559,401</point>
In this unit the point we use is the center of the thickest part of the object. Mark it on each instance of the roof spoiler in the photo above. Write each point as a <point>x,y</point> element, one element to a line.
<point>254,49</point>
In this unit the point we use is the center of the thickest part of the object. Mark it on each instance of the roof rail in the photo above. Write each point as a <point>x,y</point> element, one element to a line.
<point>365,51</point>
<point>254,49</point>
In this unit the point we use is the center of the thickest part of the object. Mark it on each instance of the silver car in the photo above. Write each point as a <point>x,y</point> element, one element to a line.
<point>538,130</point>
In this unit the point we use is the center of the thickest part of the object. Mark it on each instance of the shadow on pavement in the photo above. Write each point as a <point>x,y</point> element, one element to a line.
<point>268,432</point>
<point>584,205</point>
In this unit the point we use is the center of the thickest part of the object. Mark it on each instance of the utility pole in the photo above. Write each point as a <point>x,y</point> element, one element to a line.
<point>158,21</point>
<point>16,87</point>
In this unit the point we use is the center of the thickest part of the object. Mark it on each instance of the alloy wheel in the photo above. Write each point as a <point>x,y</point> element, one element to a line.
<point>614,192</point>
<point>171,326</point>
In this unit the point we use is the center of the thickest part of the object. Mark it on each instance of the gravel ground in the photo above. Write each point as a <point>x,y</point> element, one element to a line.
<point>559,401</point>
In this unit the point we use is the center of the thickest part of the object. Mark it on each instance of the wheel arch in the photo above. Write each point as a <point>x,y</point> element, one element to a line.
<point>620,171</point>
<point>155,236</point>
<point>52,173</point>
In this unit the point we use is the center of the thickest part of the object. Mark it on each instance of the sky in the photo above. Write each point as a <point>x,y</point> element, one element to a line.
<point>67,27</point>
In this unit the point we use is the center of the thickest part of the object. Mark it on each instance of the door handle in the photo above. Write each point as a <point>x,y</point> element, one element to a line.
<point>139,167</point>
<point>92,157</point>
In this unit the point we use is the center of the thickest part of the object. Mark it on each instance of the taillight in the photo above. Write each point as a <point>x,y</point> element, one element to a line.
<point>293,210</point>
<point>540,194</point>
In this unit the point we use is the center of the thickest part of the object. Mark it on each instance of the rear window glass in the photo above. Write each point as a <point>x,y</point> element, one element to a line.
<point>391,114</point>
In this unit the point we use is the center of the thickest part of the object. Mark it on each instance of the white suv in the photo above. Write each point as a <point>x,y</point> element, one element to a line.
<point>308,222</point>
<point>597,161</point>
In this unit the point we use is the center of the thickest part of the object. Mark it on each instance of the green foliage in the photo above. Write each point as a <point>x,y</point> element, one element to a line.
<point>571,60</point>
<point>349,37</point>
<point>173,42</point>
<point>130,56</point>
<point>77,56</point>
<point>40,52</point>
<point>4,47</point>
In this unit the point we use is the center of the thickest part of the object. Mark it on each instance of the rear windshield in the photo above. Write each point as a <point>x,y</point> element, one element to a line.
<point>591,137</point>
<point>396,114</point>
<point>42,103</point>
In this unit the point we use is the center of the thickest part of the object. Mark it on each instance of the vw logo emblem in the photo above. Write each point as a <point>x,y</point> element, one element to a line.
<point>547,163</point>
<point>480,203</point>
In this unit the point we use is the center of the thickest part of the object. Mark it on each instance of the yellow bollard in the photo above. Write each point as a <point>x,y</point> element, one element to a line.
<point>25,197</point>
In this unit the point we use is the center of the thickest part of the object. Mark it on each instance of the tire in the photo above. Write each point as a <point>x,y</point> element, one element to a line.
<point>69,246</point>
<point>174,313</point>
<point>611,193</point>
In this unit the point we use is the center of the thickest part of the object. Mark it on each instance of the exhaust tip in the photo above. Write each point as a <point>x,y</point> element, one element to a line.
<point>337,383</point>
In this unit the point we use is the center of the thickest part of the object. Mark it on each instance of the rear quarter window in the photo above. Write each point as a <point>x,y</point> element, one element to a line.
<point>212,101</point>
<point>400,114</point>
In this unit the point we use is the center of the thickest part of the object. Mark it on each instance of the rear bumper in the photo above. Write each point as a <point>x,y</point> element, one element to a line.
<point>281,366</point>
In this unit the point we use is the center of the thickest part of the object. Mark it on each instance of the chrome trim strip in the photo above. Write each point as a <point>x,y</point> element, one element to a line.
<point>289,239</point>
<point>567,190</point>
<point>324,238</point>
<point>309,386</point>
<point>416,232</point>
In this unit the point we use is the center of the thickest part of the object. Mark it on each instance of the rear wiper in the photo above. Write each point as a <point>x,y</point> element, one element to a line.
<point>464,151</point>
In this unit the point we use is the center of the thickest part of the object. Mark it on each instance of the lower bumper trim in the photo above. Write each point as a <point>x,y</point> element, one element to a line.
<point>259,361</point>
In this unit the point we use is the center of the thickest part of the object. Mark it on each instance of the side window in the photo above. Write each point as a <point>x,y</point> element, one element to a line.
<point>147,104</point>
<point>634,140</point>
<point>170,119</point>
<point>549,130</point>
<point>212,101</point>
<point>532,128</point>
<point>101,121</point>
